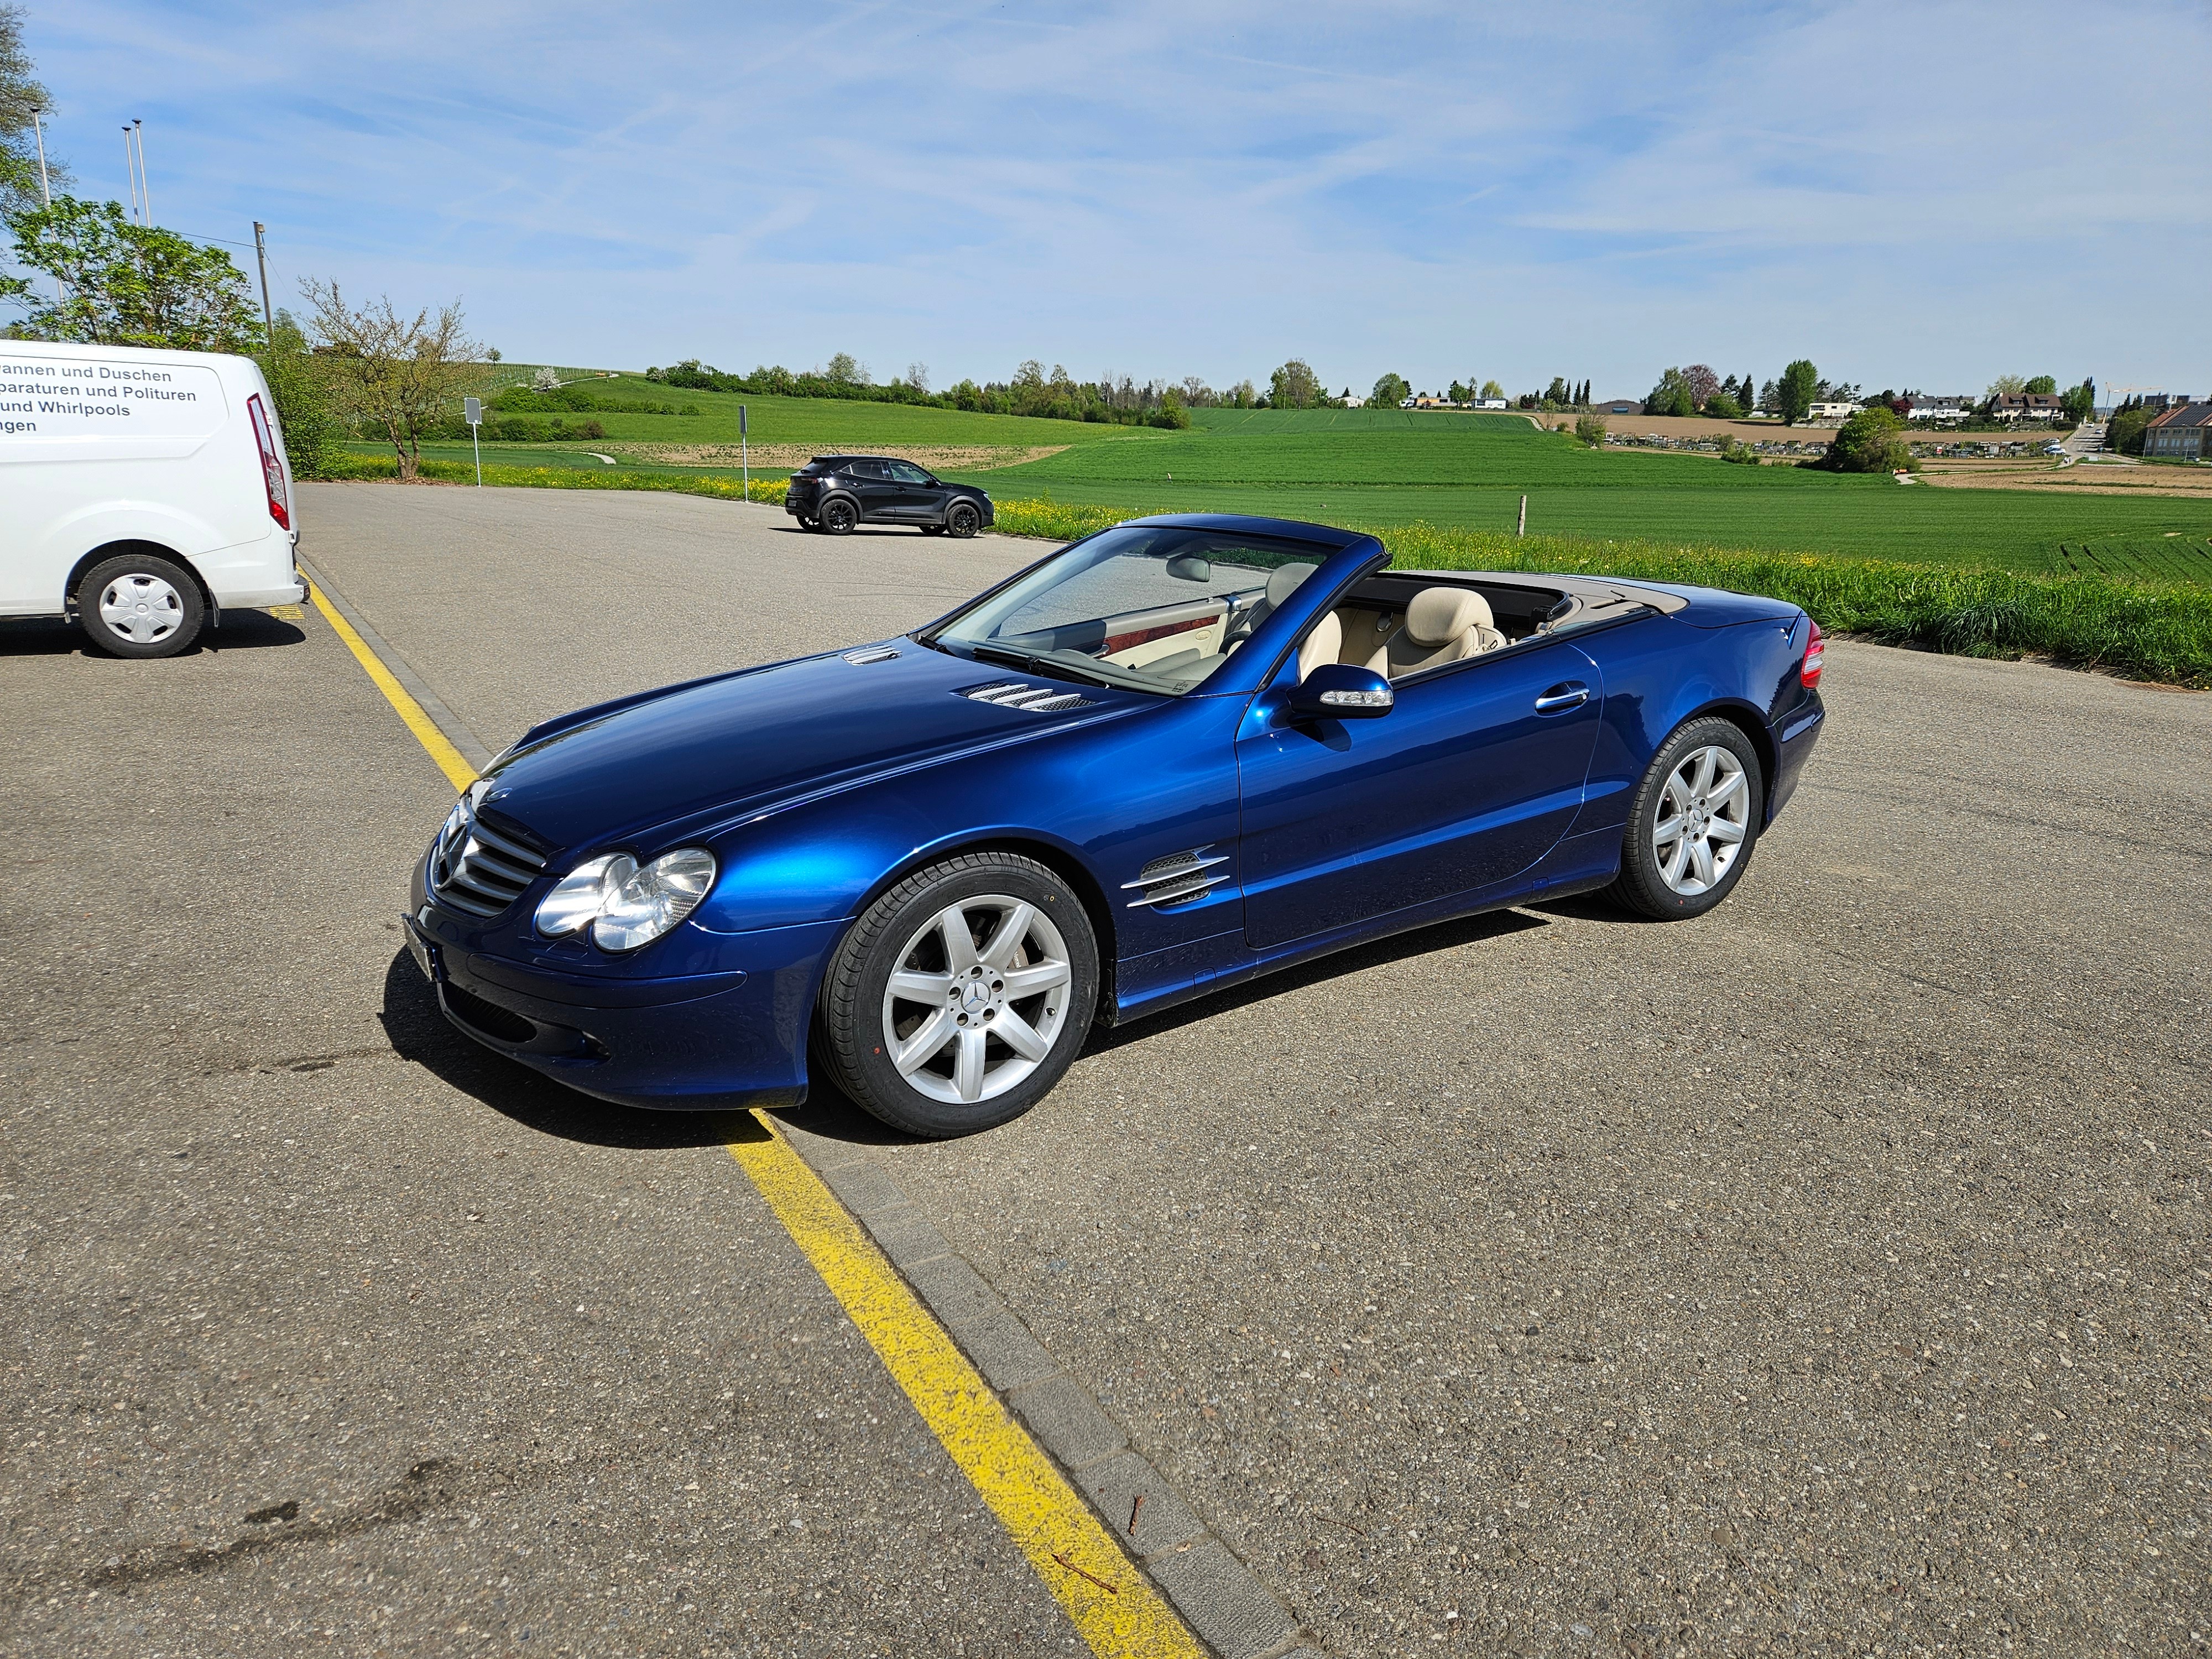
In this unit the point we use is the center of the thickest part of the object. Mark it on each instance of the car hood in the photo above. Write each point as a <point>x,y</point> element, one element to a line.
<point>697,754</point>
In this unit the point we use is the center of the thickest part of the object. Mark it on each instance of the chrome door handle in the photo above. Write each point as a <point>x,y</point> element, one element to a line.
<point>1570,695</point>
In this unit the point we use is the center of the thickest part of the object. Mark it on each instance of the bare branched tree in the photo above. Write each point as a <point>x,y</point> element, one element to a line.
<point>390,372</point>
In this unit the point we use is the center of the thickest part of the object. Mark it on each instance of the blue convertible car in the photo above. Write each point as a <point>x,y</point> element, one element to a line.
<point>1163,760</point>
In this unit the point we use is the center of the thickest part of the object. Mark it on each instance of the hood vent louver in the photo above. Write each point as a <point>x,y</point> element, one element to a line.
<point>1036,699</point>
<point>862,658</point>
<point>1178,879</point>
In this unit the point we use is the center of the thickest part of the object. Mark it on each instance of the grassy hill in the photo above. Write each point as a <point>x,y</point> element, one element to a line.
<point>1380,468</point>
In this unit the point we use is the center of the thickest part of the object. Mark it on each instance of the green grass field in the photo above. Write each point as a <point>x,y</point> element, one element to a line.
<point>1382,468</point>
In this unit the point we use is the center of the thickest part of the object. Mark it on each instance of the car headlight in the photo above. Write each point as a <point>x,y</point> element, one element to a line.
<point>626,907</point>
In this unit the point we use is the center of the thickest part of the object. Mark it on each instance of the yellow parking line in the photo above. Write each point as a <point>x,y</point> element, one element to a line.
<point>1077,1559</point>
<point>425,729</point>
<point>1113,1606</point>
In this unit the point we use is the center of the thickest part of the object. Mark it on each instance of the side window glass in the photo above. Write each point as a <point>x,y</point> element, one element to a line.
<point>866,469</point>
<point>907,473</point>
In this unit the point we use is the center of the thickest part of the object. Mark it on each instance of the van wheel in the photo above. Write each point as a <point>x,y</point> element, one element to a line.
<point>139,606</point>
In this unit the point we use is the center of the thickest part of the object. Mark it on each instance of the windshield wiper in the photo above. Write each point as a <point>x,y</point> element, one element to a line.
<point>1034,663</point>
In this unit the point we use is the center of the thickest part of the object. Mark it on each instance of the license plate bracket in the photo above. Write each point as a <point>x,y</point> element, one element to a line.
<point>425,950</point>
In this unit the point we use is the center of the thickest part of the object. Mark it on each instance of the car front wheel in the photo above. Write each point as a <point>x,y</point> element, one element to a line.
<point>838,518</point>
<point>139,606</point>
<point>963,519</point>
<point>961,997</point>
<point>1693,822</point>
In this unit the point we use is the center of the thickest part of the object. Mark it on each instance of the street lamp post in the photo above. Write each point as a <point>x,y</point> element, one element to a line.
<point>261,253</point>
<point>145,190</point>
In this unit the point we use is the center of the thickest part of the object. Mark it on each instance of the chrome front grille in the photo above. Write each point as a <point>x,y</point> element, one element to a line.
<point>477,870</point>
<point>1036,699</point>
<point>1178,879</point>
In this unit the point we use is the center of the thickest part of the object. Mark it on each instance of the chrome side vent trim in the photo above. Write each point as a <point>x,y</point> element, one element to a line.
<point>872,653</point>
<point>477,870</point>
<point>1018,694</point>
<point>1178,879</point>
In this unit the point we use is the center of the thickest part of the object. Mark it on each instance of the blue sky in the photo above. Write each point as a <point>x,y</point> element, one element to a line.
<point>1927,195</point>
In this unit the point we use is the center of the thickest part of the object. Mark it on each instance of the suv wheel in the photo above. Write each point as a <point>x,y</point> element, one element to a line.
<point>139,606</point>
<point>963,519</point>
<point>839,517</point>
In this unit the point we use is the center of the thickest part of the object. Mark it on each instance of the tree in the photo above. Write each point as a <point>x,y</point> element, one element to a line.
<point>1794,393</point>
<point>2081,402</point>
<point>1671,396</point>
<point>546,380</point>
<point>917,377</point>
<point>1491,389</point>
<point>2005,385</point>
<point>1240,396</point>
<point>845,370</point>
<point>1870,441</point>
<point>1459,393</point>
<point>299,382</point>
<point>1591,430</point>
<point>126,285</point>
<point>1702,382</point>
<point>2043,386</point>
<point>1294,385</point>
<point>2124,434</point>
<point>1390,391</point>
<point>1723,407</point>
<point>20,94</point>
<point>388,371</point>
<point>1556,392</point>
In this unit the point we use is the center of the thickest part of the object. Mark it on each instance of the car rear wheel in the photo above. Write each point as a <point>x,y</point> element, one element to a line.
<point>1693,822</point>
<point>138,606</point>
<point>839,517</point>
<point>960,998</point>
<point>963,519</point>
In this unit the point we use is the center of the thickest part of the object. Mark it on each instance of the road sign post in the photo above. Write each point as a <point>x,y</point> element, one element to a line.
<point>472,412</point>
<point>745,455</point>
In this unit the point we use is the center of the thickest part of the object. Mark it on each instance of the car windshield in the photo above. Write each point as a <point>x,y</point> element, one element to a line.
<point>1156,608</point>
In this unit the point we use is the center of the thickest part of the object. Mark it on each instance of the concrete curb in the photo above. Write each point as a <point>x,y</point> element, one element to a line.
<point>1216,1594</point>
<point>471,746</point>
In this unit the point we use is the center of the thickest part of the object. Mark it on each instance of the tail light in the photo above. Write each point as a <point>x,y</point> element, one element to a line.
<point>272,463</point>
<point>1808,670</point>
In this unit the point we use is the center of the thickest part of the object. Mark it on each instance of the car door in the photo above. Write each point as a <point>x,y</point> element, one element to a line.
<point>1474,776</point>
<point>872,484</point>
<point>914,498</point>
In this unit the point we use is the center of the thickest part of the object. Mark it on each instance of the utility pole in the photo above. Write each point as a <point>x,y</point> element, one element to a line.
<point>130,160</point>
<point>39,127</point>
<point>261,252</point>
<point>745,458</point>
<point>145,191</point>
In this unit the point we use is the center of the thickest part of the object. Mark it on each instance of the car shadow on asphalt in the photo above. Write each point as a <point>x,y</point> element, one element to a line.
<point>420,1033</point>
<point>44,636</point>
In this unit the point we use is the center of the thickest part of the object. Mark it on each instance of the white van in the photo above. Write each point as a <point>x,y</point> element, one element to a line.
<point>140,492</point>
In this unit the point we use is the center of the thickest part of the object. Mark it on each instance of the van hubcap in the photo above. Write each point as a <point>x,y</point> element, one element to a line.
<point>140,609</point>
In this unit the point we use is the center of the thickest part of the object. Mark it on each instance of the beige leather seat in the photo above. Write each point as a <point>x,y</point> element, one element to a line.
<point>1441,625</point>
<point>1320,645</point>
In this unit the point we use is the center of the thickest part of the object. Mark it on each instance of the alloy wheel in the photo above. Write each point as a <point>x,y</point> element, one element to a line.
<point>1702,820</point>
<point>978,998</point>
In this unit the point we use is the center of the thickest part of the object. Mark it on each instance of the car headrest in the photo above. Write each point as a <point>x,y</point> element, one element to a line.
<point>1322,645</point>
<point>1285,582</point>
<point>1438,615</point>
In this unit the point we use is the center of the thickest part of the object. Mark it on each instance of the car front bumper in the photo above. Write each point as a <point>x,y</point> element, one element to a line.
<point>701,1042</point>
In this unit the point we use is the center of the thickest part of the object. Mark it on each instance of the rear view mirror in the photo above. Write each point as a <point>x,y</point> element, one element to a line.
<point>1342,691</point>
<point>1190,567</point>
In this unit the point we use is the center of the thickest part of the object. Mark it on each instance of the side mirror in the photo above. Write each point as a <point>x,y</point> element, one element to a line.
<point>1189,567</point>
<point>1342,691</point>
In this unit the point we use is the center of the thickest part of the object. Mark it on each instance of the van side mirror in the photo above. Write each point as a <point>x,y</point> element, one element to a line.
<point>1341,691</point>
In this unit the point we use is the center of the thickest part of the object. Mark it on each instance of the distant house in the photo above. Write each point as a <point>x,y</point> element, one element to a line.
<point>1927,406</point>
<point>2184,433</point>
<point>1618,406</point>
<point>1353,400</point>
<point>1833,411</point>
<point>1493,402</point>
<point>2028,406</point>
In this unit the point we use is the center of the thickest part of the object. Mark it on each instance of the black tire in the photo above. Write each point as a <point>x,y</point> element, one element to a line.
<point>838,516</point>
<point>1643,886</point>
<point>155,601</point>
<point>961,520</point>
<point>896,931</point>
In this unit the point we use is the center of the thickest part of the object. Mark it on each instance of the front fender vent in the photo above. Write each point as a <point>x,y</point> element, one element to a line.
<point>1038,699</point>
<point>1178,879</point>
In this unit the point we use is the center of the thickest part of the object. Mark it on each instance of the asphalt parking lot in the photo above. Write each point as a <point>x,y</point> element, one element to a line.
<point>1828,1275</point>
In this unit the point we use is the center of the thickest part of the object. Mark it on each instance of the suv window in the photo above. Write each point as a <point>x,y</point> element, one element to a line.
<point>862,468</point>
<point>906,473</point>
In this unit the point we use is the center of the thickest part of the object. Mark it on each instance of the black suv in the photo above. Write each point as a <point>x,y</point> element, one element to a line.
<point>836,492</point>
